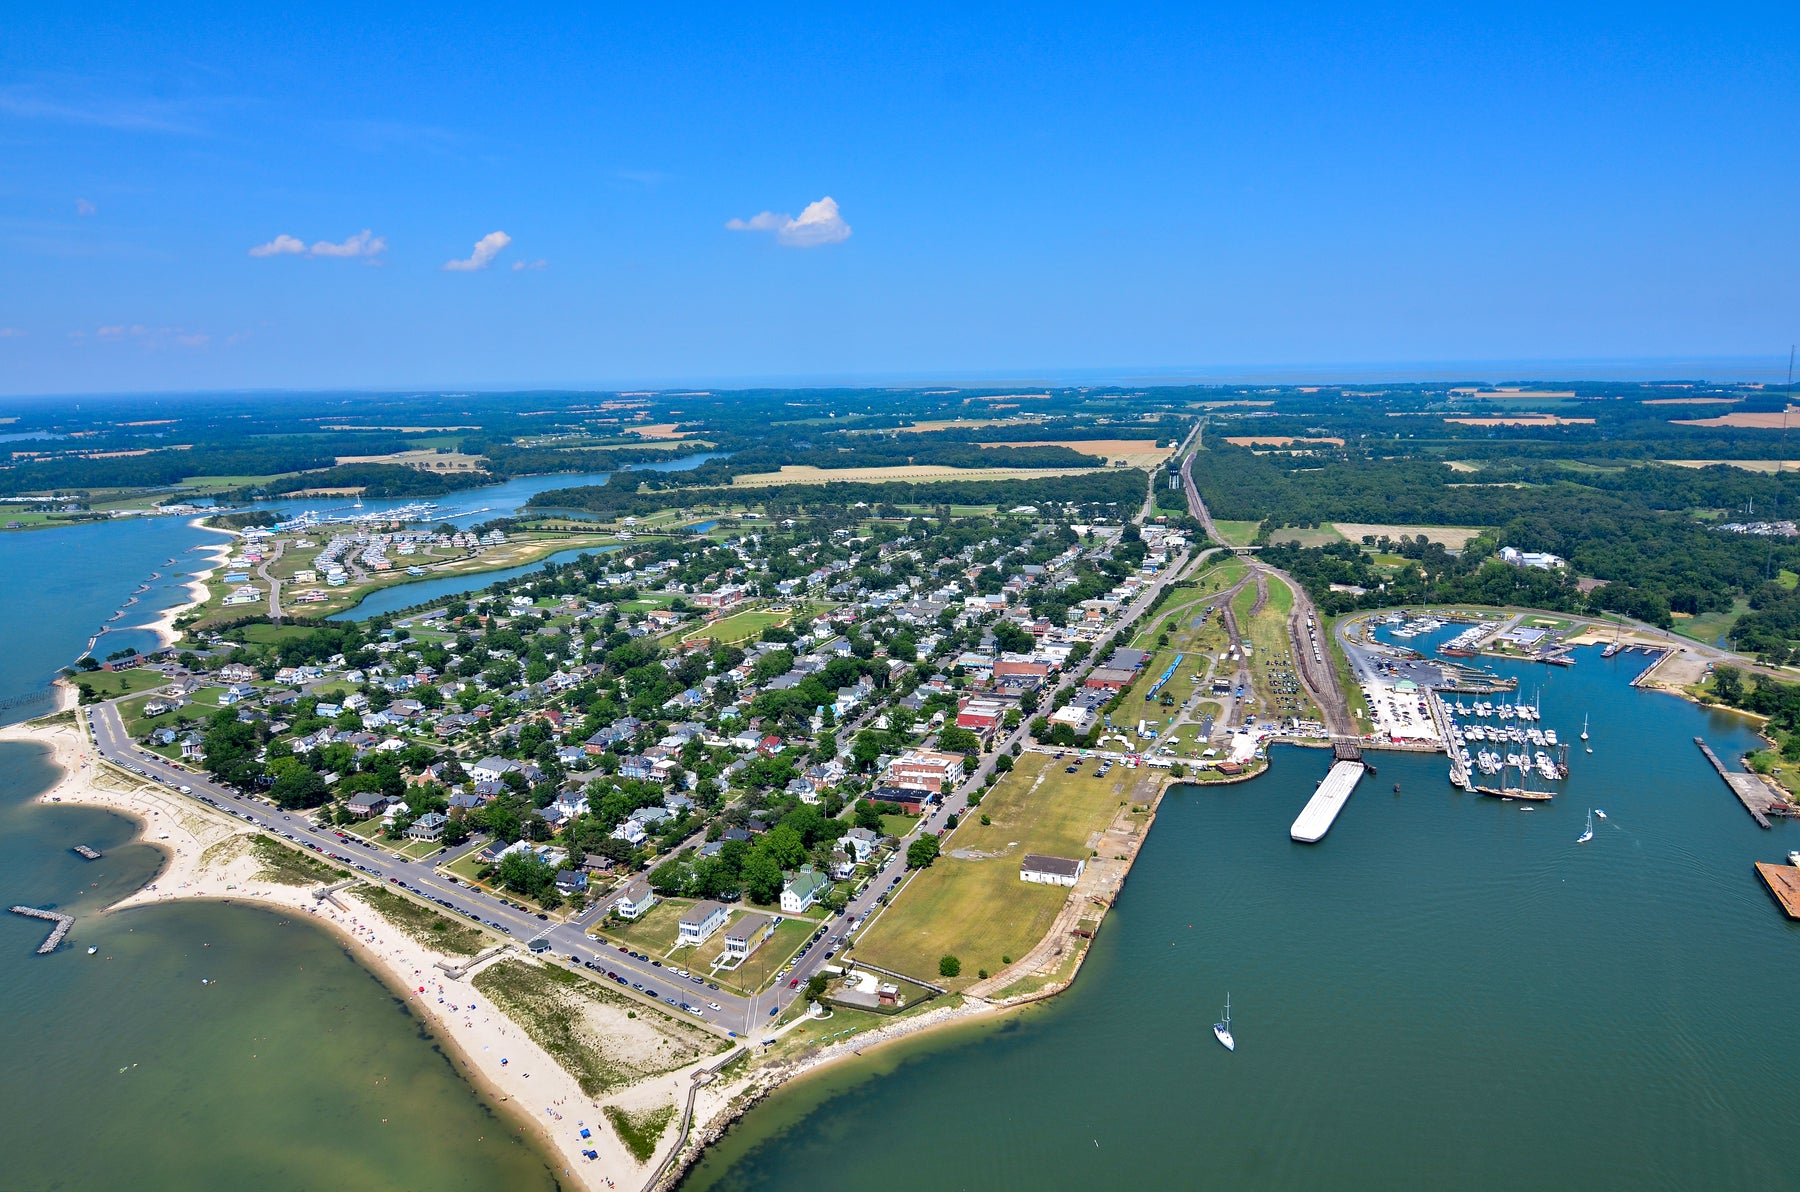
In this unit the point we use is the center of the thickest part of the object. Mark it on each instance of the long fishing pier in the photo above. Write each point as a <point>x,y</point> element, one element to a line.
<point>63,923</point>
<point>1749,788</point>
<point>1321,811</point>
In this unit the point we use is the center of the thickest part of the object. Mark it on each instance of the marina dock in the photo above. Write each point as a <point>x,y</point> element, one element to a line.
<point>63,923</point>
<point>86,853</point>
<point>1749,788</point>
<point>1784,883</point>
<point>1321,811</point>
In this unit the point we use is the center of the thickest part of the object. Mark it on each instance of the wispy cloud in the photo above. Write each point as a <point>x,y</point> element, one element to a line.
<point>819,224</point>
<point>144,336</point>
<point>486,249</point>
<point>12,333</point>
<point>85,207</point>
<point>125,115</point>
<point>364,244</point>
<point>521,266</point>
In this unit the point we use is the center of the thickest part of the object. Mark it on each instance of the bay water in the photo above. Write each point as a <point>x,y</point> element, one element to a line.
<point>1447,991</point>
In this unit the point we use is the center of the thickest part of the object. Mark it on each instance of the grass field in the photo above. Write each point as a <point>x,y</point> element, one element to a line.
<point>272,635</point>
<point>1135,453</point>
<point>655,933</point>
<point>1708,628</point>
<point>740,627</point>
<point>977,909</point>
<point>107,684</point>
<point>808,474</point>
<point>1237,533</point>
<point>1323,536</point>
<point>764,963</point>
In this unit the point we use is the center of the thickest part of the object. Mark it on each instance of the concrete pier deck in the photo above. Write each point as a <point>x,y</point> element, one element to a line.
<point>1750,789</point>
<point>1322,809</point>
<point>1784,883</point>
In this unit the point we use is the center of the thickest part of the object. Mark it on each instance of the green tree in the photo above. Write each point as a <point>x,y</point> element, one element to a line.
<point>949,966</point>
<point>815,988</point>
<point>762,878</point>
<point>299,786</point>
<point>922,852</point>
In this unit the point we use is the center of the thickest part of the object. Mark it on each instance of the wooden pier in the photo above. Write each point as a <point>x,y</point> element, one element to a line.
<point>1784,883</point>
<point>1749,788</point>
<point>63,923</point>
<point>86,853</point>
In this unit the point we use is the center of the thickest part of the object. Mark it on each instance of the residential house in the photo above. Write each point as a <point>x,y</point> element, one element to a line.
<point>699,921</point>
<point>367,803</point>
<point>803,890</point>
<point>637,899</point>
<point>747,935</point>
<point>861,841</point>
<point>429,826</point>
<point>491,769</point>
<point>571,881</point>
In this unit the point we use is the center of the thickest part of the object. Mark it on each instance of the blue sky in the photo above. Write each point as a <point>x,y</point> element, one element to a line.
<point>1033,191</point>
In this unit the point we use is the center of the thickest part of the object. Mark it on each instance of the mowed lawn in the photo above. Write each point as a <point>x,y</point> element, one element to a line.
<point>740,627</point>
<point>106,684</point>
<point>978,910</point>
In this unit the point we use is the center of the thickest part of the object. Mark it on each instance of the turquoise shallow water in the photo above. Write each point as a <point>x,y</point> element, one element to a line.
<point>1448,991</point>
<point>294,1069</point>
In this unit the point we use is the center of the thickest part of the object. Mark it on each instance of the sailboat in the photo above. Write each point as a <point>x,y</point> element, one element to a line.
<point>1589,834</point>
<point>1584,721</point>
<point>1223,1029</point>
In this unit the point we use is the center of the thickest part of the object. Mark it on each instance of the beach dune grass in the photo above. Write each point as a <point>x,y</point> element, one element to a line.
<point>603,1039</point>
<point>974,906</point>
<point>437,932</point>
<point>641,1131</point>
<point>290,866</point>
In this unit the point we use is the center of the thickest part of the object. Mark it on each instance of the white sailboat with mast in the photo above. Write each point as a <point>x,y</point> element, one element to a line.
<point>1589,834</point>
<point>1223,1029</point>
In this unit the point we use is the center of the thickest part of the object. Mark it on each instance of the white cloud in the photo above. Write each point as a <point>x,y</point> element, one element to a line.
<point>486,249</point>
<point>280,246</point>
<point>364,244</point>
<point>818,225</point>
<point>519,266</point>
<point>12,333</point>
<point>85,207</point>
<point>146,336</point>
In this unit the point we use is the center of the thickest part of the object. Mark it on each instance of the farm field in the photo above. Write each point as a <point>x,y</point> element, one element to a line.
<point>808,474</point>
<point>1136,453</point>
<point>1455,537</point>
<point>1764,466</point>
<point>1769,420</point>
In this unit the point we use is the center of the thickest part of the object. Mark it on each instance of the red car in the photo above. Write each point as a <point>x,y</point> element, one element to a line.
<point>794,984</point>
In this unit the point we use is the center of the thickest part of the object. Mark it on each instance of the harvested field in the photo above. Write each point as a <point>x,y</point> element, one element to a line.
<point>1278,441</point>
<point>1523,420</point>
<point>1136,453</point>
<point>808,474</point>
<point>1769,420</point>
<point>959,424</point>
<point>662,430</point>
<point>1692,401</point>
<point>425,461</point>
<point>1512,394</point>
<point>1455,537</point>
<point>1748,465</point>
<point>1461,465</point>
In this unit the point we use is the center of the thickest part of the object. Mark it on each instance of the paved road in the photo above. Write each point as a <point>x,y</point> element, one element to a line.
<point>739,1014</point>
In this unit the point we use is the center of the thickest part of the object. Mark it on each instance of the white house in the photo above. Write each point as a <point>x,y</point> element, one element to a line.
<point>1050,871</point>
<point>489,769</point>
<point>699,921</point>
<point>747,935</point>
<point>637,898</point>
<point>806,888</point>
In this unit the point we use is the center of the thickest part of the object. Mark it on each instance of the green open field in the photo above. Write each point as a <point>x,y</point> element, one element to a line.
<point>655,933</point>
<point>977,909</point>
<point>1708,628</point>
<point>1323,536</point>
<point>107,684</point>
<point>739,627</point>
<point>1237,533</point>
<point>271,635</point>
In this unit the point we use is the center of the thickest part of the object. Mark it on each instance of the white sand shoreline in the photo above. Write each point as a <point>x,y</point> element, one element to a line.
<point>205,860</point>
<point>198,590</point>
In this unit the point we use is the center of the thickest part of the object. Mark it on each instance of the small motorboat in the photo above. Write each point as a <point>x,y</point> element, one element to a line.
<point>1599,814</point>
<point>92,950</point>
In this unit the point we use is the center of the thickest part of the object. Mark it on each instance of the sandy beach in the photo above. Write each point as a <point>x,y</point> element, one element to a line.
<point>208,856</point>
<point>164,625</point>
